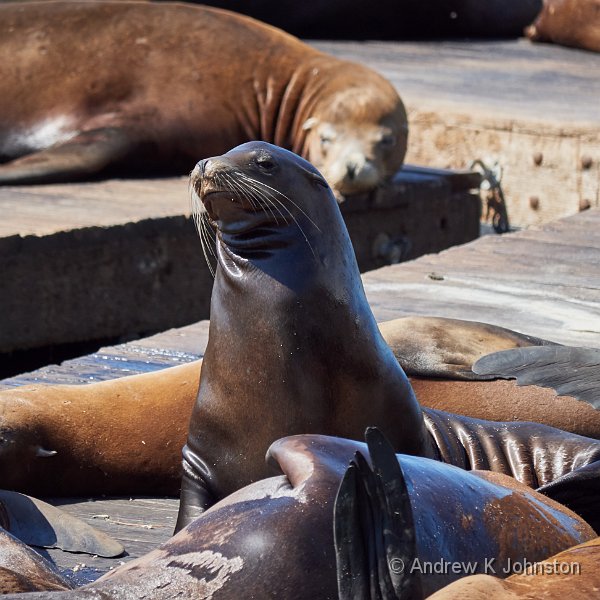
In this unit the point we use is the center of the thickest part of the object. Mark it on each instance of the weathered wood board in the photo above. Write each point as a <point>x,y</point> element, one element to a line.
<point>113,259</point>
<point>513,102</point>
<point>140,524</point>
<point>542,281</point>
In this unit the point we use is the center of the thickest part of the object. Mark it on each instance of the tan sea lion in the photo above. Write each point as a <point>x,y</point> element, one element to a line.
<point>568,22</point>
<point>572,574</point>
<point>102,88</point>
<point>114,437</point>
<point>275,537</point>
<point>459,367</point>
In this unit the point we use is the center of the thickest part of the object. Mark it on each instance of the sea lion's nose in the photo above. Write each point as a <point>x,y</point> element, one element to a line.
<point>198,171</point>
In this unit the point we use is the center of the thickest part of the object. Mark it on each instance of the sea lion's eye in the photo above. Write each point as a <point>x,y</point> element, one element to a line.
<point>265,163</point>
<point>388,140</point>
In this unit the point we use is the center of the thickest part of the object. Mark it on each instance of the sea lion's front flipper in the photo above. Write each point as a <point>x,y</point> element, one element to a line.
<point>447,348</point>
<point>195,496</point>
<point>86,154</point>
<point>578,490</point>
<point>568,370</point>
<point>374,529</point>
<point>37,523</point>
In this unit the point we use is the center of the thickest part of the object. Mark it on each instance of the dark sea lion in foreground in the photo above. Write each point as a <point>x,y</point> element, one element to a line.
<point>568,22</point>
<point>572,574</point>
<point>391,546</point>
<point>293,345</point>
<point>104,88</point>
<point>275,538</point>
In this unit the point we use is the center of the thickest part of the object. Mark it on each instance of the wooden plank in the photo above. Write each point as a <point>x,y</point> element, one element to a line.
<point>111,257</point>
<point>543,282</point>
<point>140,524</point>
<point>525,82</point>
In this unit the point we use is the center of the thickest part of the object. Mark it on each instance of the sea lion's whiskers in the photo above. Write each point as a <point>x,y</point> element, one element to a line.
<point>263,201</point>
<point>200,218</point>
<point>259,186</point>
<point>207,241</point>
<point>276,191</point>
<point>246,194</point>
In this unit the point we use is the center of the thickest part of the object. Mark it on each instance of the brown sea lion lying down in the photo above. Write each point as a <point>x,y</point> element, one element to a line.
<point>102,88</point>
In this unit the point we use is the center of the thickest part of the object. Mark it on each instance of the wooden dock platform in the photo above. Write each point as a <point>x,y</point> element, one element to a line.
<point>108,260</point>
<point>543,281</point>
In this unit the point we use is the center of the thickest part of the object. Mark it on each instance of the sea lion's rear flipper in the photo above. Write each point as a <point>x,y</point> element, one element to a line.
<point>569,371</point>
<point>374,528</point>
<point>86,154</point>
<point>447,348</point>
<point>37,523</point>
<point>578,490</point>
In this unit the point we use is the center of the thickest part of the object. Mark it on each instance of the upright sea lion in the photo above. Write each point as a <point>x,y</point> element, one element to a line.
<point>568,22</point>
<point>98,88</point>
<point>294,347</point>
<point>275,538</point>
<point>320,364</point>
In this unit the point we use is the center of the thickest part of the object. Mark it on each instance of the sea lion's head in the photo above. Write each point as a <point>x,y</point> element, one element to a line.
<point>357,136</point>
<point>261,199</point>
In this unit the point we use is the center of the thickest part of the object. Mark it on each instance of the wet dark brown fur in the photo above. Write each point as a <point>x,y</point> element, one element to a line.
<point>274,538</point>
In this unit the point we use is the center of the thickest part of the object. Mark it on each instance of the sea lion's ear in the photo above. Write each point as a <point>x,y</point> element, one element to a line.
<point>310,123</point>
<point>319,180</point>
<point>316,178</point>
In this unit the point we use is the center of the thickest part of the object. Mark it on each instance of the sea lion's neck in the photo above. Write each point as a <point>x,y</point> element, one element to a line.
<point>284,109</point>
<point>291,260</point>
